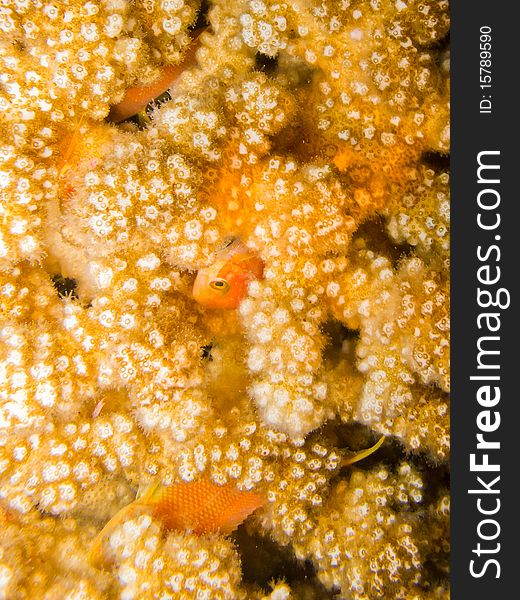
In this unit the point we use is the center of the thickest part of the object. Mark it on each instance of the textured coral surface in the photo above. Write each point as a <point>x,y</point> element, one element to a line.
<point>316,132</point>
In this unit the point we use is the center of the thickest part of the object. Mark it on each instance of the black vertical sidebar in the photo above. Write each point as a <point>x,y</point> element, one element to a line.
<point>485,357</point>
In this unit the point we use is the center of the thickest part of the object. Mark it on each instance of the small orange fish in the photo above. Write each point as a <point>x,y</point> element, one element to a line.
<point>136,98</point>
<point>224,284</point>
<point>199,507</point>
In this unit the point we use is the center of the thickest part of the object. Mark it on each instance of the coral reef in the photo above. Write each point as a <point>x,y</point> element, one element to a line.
<point>314,132</point>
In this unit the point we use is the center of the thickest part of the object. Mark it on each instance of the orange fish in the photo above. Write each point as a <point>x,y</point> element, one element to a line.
<point>224,284</point>
<point>199,507</point>
<point>136,98</point>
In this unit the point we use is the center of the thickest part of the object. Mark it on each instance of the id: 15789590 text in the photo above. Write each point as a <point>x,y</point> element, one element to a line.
<point>485,105</point>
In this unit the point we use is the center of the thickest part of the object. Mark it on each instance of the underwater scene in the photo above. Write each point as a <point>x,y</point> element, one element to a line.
<point>224,299</point>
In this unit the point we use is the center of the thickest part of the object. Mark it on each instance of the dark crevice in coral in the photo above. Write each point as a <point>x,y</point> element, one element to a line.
<point>354,437</point>
<point>437,480</point>
<point>263,561</point>
<point>435,577</point>
<point>206,352</point>
<point>202,17</point>
<point>436,161</point>
<point>348,334</point>
<point>65,286</point>
<point>336,334</point>
<point>374,230</point>
<point>134,119</point>
<point>439,45</point>
<point>292,139</point>
<point>444,43</point>
<point>402,251</point>
<point>266,64</point>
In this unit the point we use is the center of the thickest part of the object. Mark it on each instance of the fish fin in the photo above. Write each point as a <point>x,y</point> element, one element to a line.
<point>63,162</point>
<point>96,555</point>
<point>350,460</point>
<point>237,255</point>
<point>149,493</point>
<point>240,272</point>
<point>252,264</point>
<point>232,245</point>
<point>243,506</point>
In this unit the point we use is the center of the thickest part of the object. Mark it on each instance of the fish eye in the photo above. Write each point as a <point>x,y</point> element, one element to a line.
<point>220,285</point>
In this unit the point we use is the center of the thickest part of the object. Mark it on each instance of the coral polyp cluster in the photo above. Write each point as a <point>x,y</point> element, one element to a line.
<point>314,135</point>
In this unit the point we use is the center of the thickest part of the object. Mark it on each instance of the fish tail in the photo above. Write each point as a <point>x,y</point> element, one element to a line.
<point>350,460</point>
<point>147,492</point>
<point>245,505</point>
<point>96,557</point>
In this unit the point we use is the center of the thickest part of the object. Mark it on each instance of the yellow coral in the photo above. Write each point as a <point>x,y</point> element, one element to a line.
<point>350,544</point>
<point>422,217</point>
<point>403,318</point>
<point>44,558</point>
<point>182,566</point>
<point>165,24</point>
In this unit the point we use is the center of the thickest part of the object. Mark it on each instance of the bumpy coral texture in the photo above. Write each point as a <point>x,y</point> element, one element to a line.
<point>145,565</point>
<point>317,132</point>
<point>351,543</point>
